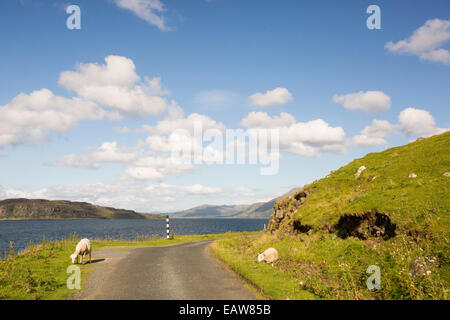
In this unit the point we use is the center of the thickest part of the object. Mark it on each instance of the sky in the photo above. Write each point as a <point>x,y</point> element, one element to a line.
<point>95,113</point>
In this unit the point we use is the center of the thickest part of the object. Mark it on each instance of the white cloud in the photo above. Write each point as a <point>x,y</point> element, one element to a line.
<point>175,133</point>
<point>374,135</point>
<point>108,152</point>
<point>122,130</point>
<point>417,122</point>
<point>308,139</point>
<point>271,97</point>
<point>426,42</point>
<point>263,120</point>
<point>148,10</point>
<point>412,122</point>
<point>201,189</point>
<point>177,121</point>
<point>156,167</point>
<point>369,101</point>
<point>31,118</point>
<point>152,160</point>
<point>154,87</point>
<point>142,163</point>
<point>117,86</point>
<point>215,98</point>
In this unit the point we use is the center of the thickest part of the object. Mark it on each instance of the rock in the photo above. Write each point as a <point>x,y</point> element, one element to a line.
<point>279,214</point>
<point>420,139</point>
<point>300,195</point>
<point>360,170</point>
<point>302,285</point>
<point>447,174</point>
<point>412,175</point>
<point>418,235</point>
<point>422,266</point>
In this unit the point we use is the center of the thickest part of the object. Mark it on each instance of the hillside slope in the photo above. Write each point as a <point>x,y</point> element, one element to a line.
<point>418,204</point>
<point>335,235</point>
<point>34,209</point>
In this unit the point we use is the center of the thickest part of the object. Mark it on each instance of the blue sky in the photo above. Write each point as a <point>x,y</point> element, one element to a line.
<point>209,58</point>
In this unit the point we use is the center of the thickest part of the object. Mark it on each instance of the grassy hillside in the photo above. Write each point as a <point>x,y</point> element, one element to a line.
<point>329,233</point>
<point>23,209</point>
<point>420,203</point>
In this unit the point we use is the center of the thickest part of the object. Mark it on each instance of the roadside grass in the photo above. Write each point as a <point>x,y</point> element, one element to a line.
<point>269,282</point>
<point>39,271</point>
<point>322,266</point>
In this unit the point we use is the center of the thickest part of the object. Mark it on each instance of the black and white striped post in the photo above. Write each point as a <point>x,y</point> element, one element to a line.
<point>167,227</point>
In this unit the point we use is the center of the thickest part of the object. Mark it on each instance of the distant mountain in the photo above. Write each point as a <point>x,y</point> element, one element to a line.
<point>255,210</point>
<point>40,209</point>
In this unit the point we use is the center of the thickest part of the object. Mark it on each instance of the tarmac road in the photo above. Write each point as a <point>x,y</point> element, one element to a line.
<point>175,272</point>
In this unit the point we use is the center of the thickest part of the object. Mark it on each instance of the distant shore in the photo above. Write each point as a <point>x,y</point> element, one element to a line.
<point>60,218</point>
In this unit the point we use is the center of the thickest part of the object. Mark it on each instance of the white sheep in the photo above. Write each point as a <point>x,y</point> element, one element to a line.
<point>269,255</point>
<point>83,248</point>
<point>360,170</point>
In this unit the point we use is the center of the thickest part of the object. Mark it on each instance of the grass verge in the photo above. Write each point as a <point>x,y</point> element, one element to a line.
<point>268,282</point>
<point>322,266</point>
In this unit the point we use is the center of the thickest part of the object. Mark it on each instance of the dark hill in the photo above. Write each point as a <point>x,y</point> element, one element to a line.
<point>35,209</point>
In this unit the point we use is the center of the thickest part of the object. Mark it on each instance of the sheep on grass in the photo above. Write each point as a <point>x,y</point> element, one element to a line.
<point>269,255</point>
<point>83,248</point>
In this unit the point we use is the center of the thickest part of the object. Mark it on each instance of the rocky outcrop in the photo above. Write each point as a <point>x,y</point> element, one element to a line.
<point>364,226</point>
<point>284,212</point>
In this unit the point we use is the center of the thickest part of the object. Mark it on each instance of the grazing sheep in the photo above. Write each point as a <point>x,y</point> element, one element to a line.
<point>269,255</point>
<point>360,170</point>
<point>83,248</point>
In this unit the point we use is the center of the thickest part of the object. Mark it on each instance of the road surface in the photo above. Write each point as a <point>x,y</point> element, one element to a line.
<point>175,272</point>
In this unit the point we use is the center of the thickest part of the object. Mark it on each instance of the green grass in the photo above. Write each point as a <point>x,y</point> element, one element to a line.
<point>422,203</point>
<point>330,267</point>
<point>39,272</point>
<point>269,282</point>
<point>334,268</point>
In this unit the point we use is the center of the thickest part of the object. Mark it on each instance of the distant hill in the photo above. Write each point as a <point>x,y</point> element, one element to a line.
<point>255,210</point>
<point>40,209</point>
